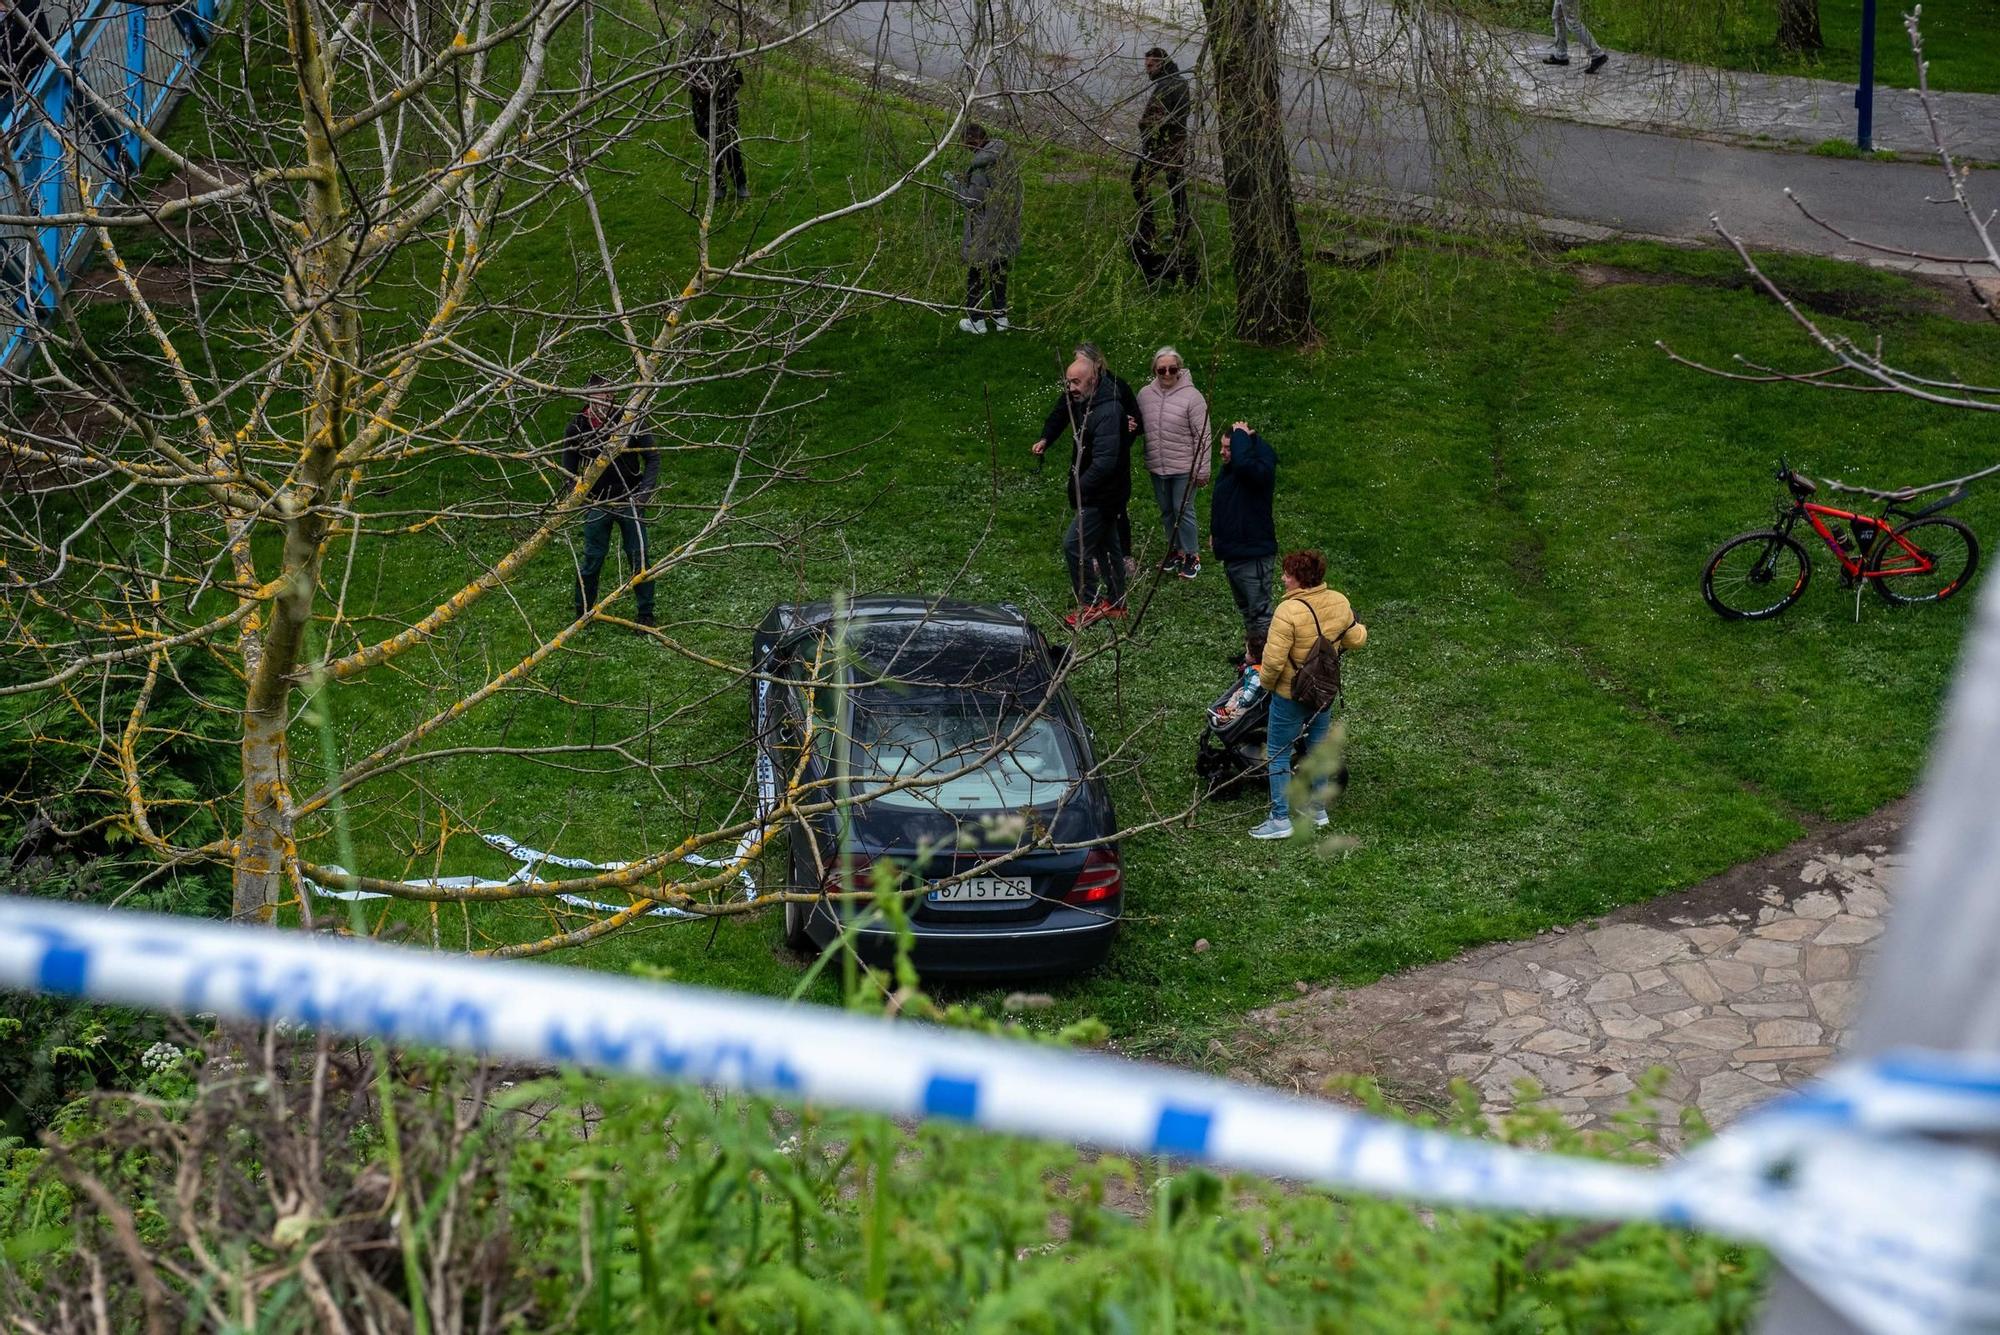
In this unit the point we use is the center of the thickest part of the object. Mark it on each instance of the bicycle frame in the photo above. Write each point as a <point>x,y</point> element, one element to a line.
<point>1909,561</point>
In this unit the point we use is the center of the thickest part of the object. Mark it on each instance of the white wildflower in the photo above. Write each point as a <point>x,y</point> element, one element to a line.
<point>160,1057</point>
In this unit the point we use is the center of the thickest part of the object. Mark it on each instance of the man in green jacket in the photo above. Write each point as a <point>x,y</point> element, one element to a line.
<point>1165,142</point>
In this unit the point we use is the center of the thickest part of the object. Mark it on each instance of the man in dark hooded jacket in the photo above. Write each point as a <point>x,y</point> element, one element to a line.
<point>1093,413</point>
<point>1164,142</point>
<point>1061,424</point>
<point>1243,533</point>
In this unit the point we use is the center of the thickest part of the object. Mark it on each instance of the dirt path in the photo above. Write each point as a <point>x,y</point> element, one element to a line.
<point>1741,987</point>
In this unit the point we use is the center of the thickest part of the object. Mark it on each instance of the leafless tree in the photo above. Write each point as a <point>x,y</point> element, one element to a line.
<point>329,356</point>
<point>1351,91</point>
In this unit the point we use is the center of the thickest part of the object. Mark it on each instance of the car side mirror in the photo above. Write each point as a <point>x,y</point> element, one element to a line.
<point>1059,656</point>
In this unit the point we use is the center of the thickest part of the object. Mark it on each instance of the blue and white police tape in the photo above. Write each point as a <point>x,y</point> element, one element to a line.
<point>1899,1231</point>
<point>532,860</point>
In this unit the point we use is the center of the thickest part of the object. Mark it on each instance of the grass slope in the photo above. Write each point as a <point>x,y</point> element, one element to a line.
<point>1514,486</point>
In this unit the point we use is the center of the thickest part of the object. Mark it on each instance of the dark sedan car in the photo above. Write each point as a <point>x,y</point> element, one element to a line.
<point>943,724</point>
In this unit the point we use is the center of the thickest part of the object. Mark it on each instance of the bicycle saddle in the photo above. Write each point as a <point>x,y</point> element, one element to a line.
<point>1800,484</point>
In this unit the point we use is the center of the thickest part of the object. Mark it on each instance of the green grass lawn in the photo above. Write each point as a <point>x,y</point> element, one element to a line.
<point>1513,485</point>
<point>1961,37</point>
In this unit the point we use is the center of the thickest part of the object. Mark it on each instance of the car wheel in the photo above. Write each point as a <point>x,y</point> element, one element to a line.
<point>798,915</point>
<point>796,935</point>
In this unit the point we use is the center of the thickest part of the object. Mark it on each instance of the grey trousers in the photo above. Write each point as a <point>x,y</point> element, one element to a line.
<point>1250,584</point>
<point>1096,560</point>
<point>1173,493</point>
<point>598,522</point>
<point>1568,17</point>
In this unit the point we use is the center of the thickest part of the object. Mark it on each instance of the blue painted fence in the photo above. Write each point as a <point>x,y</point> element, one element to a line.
<point>67,151</point>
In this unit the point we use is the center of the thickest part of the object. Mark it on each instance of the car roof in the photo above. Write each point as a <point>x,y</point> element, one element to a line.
<point>928,642</point>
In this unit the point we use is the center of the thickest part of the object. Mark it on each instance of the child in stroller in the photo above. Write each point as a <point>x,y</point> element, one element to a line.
<point>1231,756</point>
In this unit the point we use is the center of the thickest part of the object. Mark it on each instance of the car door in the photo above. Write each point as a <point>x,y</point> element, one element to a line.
<point>781,752</point>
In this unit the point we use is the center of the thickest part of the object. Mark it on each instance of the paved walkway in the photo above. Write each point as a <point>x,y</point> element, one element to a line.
<point>1354,130</point>
<point>1377,40</point>
<point>1741,987</point>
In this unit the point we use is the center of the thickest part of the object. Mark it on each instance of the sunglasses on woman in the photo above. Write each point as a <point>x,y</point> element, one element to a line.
<point>1166,372</point>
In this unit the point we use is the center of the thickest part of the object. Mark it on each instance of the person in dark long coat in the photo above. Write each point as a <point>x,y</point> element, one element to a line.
<point>990,190</point>
<point>713,86</point>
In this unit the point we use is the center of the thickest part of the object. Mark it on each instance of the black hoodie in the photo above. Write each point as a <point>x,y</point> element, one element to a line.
<point>631,476</point>
<point>1163,125</point>
<point>1239,515</point>
<point>1106,485</point>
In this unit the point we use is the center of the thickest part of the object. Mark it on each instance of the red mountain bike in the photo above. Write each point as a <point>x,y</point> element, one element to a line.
<point>1922,559</point>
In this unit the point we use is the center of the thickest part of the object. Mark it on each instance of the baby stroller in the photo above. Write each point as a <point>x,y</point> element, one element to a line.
<point>1229,760</point>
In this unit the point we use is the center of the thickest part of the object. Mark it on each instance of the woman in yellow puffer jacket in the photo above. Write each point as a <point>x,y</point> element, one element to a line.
<point>1308,610</point>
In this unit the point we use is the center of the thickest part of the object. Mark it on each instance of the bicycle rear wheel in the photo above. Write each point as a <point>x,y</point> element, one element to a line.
<point>1754,576</point>
<point>1946,555</point>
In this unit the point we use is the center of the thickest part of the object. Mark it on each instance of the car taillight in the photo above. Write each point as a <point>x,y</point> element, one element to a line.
<point>860,878</point>
<point>1100,879</point>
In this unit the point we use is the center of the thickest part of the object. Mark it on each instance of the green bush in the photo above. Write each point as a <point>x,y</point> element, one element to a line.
<point>66,833</point>
<point>292,1178</point>
<point>323,1177</point>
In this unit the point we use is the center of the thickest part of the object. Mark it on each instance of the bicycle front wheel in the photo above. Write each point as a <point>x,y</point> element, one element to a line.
<point>1754,576</point>
<point>1925,562</point>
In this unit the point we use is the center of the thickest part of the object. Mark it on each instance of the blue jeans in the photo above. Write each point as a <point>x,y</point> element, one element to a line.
<point>1170,493</point>
<point>1288,720</point>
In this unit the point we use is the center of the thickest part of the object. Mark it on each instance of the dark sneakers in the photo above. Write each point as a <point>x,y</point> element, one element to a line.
<point>1597,62</point>
<point>1190,566</point>
<point>1555,60</point>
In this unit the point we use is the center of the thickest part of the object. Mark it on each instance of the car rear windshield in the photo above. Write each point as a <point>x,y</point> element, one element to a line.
<point>900,734</point>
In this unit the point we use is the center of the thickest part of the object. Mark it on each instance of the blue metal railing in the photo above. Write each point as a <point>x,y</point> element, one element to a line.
<point>67,152</point>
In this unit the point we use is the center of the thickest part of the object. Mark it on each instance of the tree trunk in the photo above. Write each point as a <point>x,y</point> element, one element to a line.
<point>265,846</point>
<point>1798,25</point>
<point>1273,297</point>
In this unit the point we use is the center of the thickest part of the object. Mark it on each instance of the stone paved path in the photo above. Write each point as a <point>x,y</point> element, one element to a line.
<point>1741,988</point>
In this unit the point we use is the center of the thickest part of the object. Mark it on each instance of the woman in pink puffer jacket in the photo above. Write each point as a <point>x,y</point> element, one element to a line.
<point>1175,418</point>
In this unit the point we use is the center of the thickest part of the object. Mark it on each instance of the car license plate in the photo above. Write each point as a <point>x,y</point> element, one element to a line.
<point>983,890</point>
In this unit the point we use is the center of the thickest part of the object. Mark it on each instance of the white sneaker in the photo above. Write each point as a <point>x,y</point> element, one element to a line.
<point>1272,829</point>
<point>1320,819</point>
<point>1000,322</point>
<point>972,326</point>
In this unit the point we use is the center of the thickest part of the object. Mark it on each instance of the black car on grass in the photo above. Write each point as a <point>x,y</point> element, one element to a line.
<point>968,767</point>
